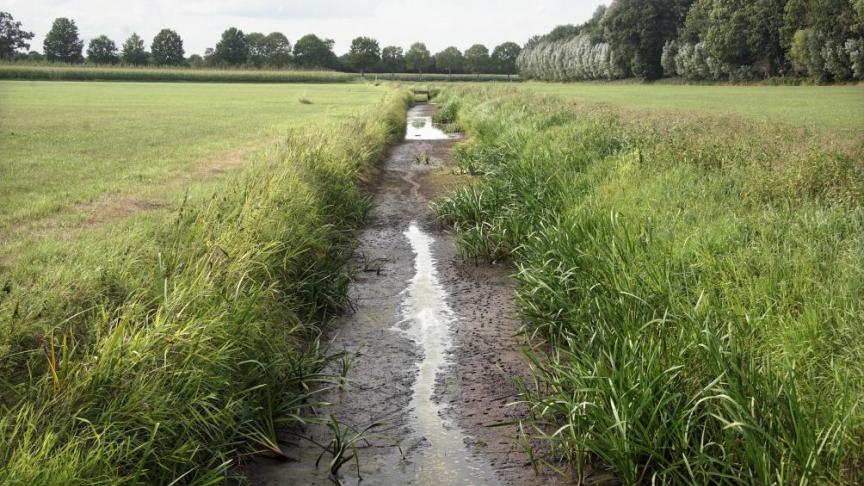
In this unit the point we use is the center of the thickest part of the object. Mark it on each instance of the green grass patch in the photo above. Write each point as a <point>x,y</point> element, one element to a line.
<point>821,108</point>
<point>70,146</point>
<point>698,281</point>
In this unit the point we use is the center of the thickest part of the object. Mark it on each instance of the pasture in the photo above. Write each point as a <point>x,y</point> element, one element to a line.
<point>819,108</point>
<point>74,149</point>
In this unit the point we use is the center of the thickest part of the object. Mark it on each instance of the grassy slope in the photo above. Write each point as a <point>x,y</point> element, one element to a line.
<point>64,144</point>
<point>700,278</point>
<point>164,344</point>
<point>838,108</point>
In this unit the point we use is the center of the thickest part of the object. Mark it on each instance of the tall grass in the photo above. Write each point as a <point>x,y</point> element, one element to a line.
<point>697,280</point>
<point>159,352</point>
<point>97,73</point>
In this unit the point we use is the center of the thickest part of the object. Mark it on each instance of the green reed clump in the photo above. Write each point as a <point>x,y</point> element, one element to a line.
<point>159,351</point>
<point>699,281</point>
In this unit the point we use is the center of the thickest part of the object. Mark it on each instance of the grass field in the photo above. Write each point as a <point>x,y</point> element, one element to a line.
<point>67,146</point>
<point>693,284</point>
<point>177,332</point>
<point>823,108</point>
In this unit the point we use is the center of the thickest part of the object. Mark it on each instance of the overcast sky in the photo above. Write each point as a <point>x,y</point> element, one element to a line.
<point>438,23</point>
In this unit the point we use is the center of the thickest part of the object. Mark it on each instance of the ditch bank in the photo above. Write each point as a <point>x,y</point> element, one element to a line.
<point>431,344</point>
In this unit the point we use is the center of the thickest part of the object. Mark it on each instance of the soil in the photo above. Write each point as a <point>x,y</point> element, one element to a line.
<point>473,390</point>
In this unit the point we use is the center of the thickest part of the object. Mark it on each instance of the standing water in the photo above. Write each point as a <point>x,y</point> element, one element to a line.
<point>446,460</point>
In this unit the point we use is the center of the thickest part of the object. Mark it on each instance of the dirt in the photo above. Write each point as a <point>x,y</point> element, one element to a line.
<point>69,222</point>
<point>472,390</point>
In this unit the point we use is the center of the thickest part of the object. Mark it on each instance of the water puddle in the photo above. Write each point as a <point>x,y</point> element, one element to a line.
<point>422,128</point>
<point>446,459</point>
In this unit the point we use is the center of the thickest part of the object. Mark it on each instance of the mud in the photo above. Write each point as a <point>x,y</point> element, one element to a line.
<point>433,341</point>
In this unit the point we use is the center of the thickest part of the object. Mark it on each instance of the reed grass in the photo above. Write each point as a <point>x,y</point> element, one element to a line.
<point>692,286</point>
<point>160,350</point>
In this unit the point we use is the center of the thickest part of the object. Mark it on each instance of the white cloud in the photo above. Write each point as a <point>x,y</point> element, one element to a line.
<point>438,23</point>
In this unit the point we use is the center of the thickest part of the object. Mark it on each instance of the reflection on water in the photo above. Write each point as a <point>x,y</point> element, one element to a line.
<point>422,128</point>
<point>446,460</point>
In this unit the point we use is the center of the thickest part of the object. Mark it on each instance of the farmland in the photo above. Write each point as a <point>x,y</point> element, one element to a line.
<point>68,148</point>
<point>820,108</point>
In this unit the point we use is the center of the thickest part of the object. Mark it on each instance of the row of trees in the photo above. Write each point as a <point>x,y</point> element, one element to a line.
<point>274,50</point>
<point>705,40</point>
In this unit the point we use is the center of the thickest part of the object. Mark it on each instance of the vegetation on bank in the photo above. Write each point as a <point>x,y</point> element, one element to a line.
<point>697,282</point>
<point>158,349</point>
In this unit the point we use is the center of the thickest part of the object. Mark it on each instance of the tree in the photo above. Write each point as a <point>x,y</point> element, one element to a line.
<point>477,58</point>
<point>450,59</point>
<point>365,54</point>
<point>12,38</point>
<point>637,30</point>
<point>392,59</point>
<point>133,52</point>
<point>195,61</point>
<point>277,49</point>
<point>257,44</point>
<point>504,57</point>
<point>62,43</point>
<point>312,52</point>
<point>167,49</point>
<point>232,48</point>
<point>102,50</point>
<point>272,50</point>
<point>418,58</point>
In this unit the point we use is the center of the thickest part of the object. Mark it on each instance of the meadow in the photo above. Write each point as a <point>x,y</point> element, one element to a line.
<point>163,343</point>
<point>78,153</point>
<point>691,285</point>
<point>819,108</point>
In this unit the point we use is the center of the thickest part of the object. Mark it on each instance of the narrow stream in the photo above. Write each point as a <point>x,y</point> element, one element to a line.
<point>429,319</point>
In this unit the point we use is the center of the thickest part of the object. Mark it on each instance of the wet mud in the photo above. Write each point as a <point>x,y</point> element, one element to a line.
<point>432,341</point>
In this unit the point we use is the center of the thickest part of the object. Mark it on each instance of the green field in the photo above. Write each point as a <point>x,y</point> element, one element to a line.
<point>68,144</point>
<point>839,108</point>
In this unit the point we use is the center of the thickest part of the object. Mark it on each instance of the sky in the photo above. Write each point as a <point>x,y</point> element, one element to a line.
<point>437,23</point>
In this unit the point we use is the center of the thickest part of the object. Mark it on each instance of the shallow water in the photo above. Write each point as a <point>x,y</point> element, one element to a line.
<point>422,128</point>
<point>429,321</point>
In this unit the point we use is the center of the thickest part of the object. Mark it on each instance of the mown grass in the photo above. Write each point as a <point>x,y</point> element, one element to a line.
<point>819,108</point>
<point>697,281</point>
<point>65,145</point>
<point>158,349</point>
<point>109,73</point>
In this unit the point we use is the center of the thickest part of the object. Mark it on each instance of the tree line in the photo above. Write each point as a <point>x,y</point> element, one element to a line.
<point>238,49</point>
<point>713,40</point>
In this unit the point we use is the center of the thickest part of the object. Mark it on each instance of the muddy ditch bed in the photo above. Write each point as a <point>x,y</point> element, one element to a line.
<point>431,342</point>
